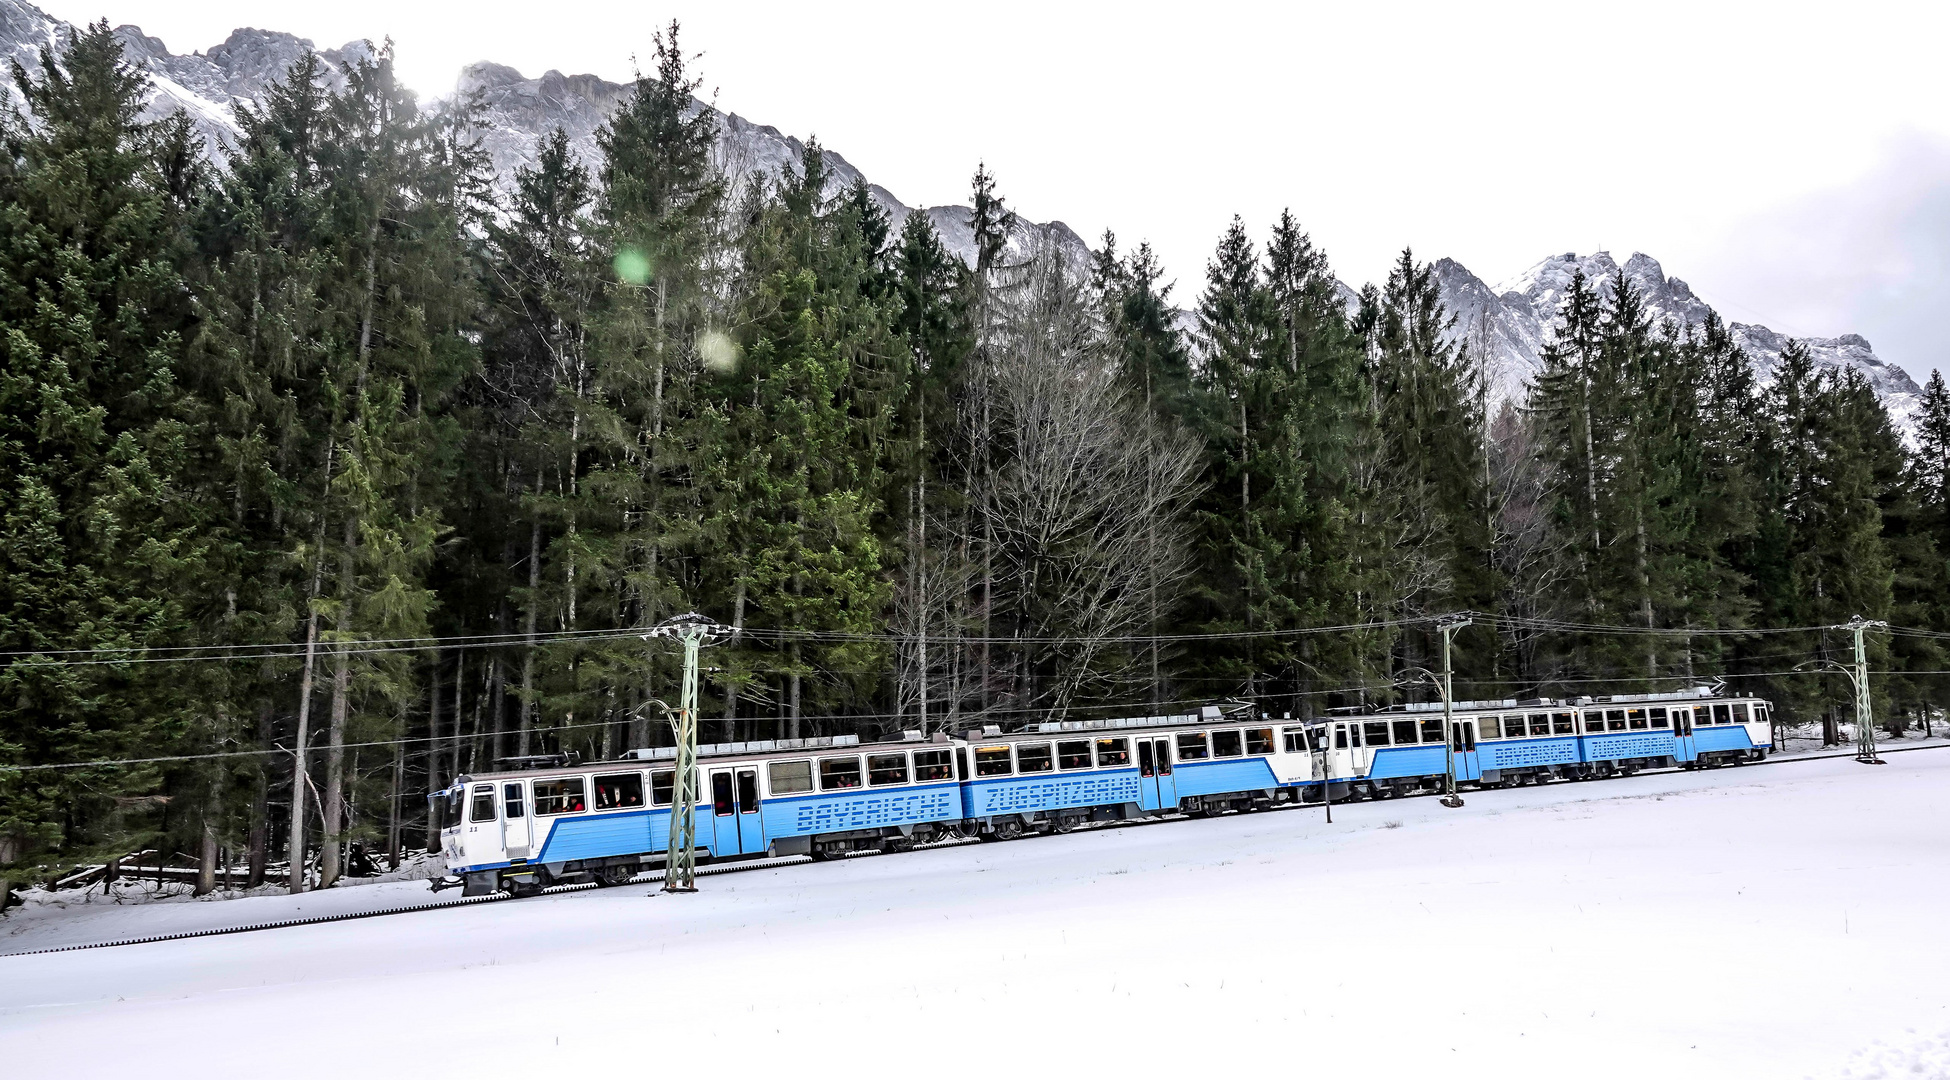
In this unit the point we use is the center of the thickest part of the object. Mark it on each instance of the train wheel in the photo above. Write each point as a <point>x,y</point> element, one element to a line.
<point>614,875</point>
<point>1063,823</point>
<point>1007,830</point>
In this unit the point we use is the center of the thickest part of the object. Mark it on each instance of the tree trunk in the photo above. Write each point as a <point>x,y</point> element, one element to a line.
<point>435,778</point>
<point>260,834</point>
<point>300,778</point>
<point>528,628</point>
<point>393,816</point>
<point>334,809</point>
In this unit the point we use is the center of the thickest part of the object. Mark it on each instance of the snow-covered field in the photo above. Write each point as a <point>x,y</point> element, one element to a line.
<point>1781,921</point>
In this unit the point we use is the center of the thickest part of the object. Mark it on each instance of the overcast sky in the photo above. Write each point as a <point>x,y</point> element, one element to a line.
<point>1789,160</point>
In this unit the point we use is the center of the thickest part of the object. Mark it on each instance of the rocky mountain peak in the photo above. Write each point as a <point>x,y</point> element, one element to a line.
<point>1508,324</point>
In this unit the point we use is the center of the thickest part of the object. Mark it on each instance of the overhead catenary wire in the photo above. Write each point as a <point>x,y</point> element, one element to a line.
<point>131,655</point>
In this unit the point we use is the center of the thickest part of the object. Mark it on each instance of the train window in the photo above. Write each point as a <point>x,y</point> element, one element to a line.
<point>1739,712</point>
<point>456,807</point>
<point>1658,718</point>
<point>839,773</point>
<point>1294,739</point>
<point>662,782</point>
<point>1702,715</point>
<point>1226,744</point>
<point>1405,733</point>
<point>1259,740</point>
<point>885,769</point>
<point>483,808</point>
<point>1340,736</point>
<point>1375,733</point>
<point>992,761</point>
<point>789,777</point>
<point>1720,714</point>
<point>511,800</point>
<point>1432,730</point>
<point>619,791</point>
<point>1034,757</point>
<point>1513,727</point>
<point>1614,719</point>
<point>562,795</point>
<point>1564,723</point>
<point>933,765</point>
<point>1073,755</point>
<point>1490,726</point>
<point>1191,746</point>
<point>961,756</point>
<point>1760,712</point>
<point>721,801</point>
<point>1317,737</point>
<point>1636,717</point>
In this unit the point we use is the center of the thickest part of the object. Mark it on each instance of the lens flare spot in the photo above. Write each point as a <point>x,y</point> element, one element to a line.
<point>632,266</point>
<point>720,353</point>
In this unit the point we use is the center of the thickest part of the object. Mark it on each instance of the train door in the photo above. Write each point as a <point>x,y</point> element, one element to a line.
<point>514,819</point>
<point>737,826</point>
<point>1686,748</point>
<point>1462,741</point>
<point>1157,788</point>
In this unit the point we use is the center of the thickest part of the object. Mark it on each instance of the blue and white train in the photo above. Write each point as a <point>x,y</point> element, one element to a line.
<point>604,822</point>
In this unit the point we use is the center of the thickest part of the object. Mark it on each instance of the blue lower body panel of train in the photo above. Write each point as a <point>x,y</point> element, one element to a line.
<point>983,798</point>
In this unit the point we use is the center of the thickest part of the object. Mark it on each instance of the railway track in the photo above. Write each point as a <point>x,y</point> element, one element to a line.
<point>653,876</point>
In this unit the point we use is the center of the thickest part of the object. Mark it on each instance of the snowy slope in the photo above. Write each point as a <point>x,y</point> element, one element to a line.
<point>1740,922</point>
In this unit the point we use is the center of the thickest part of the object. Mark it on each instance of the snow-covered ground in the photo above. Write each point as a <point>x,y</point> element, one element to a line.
<point>1781,921</point>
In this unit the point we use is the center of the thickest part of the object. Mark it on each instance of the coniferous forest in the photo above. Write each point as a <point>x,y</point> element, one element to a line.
<point>334,442</point>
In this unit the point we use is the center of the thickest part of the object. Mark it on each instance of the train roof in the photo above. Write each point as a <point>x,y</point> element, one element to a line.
<point>756,750</point>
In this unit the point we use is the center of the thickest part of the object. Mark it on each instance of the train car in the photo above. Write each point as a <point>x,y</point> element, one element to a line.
<point>602,822</point>
<point>1399,750</point>
<point>1063,774</point>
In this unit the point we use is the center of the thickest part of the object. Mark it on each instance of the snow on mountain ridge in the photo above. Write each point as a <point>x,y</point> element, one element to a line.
<point>1508,324</point>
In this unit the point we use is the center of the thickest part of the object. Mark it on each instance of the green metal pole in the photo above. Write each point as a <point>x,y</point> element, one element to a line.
<point>680,862</point>
<point>1449,797</point>
<point>1865,727</point>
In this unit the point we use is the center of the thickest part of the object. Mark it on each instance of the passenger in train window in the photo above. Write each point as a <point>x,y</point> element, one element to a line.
<point>1702,715</point>
<point>1191,746</point>
<point>886,769</point>
<point>1722,716</point>
<point>1740,712</point>
<point>1226,744</point>
<point>1073,755</point>
<point>1113,752</point>
<point>1614,719</point>
<point>619,791</point>
<point>663,784</point>
<point>1489,727</point>
<point>1405,733</point>
<point>839,773</point>
<point>1636,718</point>
<point>562,795</point>
<point>1034,758</point>
<point>786,777</point>
<point>1564,723</point>
<point>1375,732</point>
<point>931,766</point>
<point>1259,740</point>
<point>992,760</point>
<point>1432,730</point>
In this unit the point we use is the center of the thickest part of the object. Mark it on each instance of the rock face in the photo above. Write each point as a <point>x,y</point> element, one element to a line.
<point>1509,324</point>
